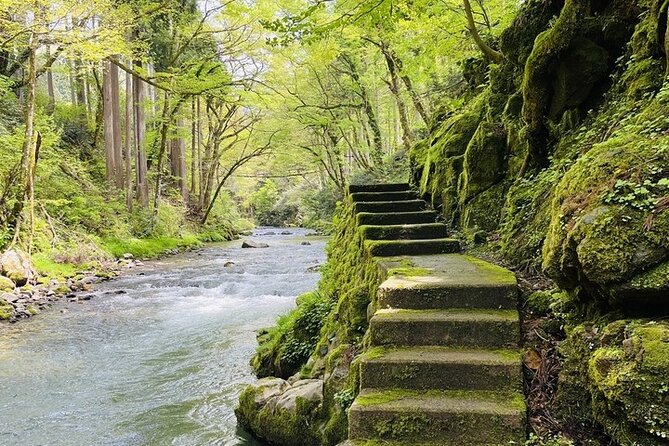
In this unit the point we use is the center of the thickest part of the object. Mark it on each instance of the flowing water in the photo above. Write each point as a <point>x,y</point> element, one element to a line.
<point>162,364</point>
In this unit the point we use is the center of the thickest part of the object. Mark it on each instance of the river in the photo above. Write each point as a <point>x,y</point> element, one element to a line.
<point>161,364</point>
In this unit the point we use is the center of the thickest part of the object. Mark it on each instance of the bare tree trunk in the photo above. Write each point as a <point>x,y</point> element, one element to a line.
<point>73,94</point>
<point>80,88</point>
<point>377,149</point>
<point>51,106</point>
<point>110,161</point>
<point>193,144</point>
<point>178,161</point>
<point>29,150</point>
<point>140,136</point>
<point>128,141</point>
<point>89,94</point>
<point>394,86</point>
<point>490,53</point>
<point>199,146</point>
<point>116,125</point>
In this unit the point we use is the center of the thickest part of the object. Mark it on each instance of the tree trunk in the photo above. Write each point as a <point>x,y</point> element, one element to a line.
<point>108,118</point>
<point>141,180</point>
<point>488,52</point>
<point>80,87</point>
<point>178,161</point>
<point>73,93</point>
<point>29,150</point>
<point>128,141</point>
<point>193,144</point>
<point>394,86</point>
<point>116,125</point>
<point>377,149</point>
<point>51,105</point>
<point>199,146</point>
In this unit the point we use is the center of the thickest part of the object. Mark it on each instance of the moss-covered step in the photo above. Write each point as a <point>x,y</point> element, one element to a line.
<point>446,418</point>
<point>422,231</point>
<point>385,196</point>
<point>446,281</point>
<point>389,187</point>
<point>441,368</point>
<point>392,248</point>
<point>390,206</point>
<point>392,218</point>
<point>497,329</point>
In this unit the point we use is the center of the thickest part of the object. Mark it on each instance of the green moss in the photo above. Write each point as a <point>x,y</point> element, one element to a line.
<point>149,247</point>
<point>655,278</point>
<point>281,426</point>
<point>623,366</point>
<point>6,310</point>
<point>515,400</point>
<point>284,349</point>
<point>596,234</point>
<point>484,162</point>
<point>409,272</point>
<point>46,266</point>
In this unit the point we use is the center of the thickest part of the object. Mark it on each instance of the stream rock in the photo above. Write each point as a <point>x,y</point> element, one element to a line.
<point>15,265</point>
<point>6,284</point>
<point>254,244</point>
<point>282,413</point>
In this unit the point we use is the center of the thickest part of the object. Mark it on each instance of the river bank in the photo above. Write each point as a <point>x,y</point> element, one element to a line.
<point>158,355</point>
<point>49,282</point>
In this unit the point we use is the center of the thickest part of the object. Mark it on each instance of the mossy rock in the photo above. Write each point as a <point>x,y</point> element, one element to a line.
<point>6,310</point>
<point>275,412</point>
<point>623,366</point>
<point>6,284</point>
<point>600,234</point>
<point>580,69</point>
<point>485,161</point>
<point>484,210</point>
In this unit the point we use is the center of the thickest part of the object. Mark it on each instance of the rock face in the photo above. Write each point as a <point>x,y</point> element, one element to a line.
<point>280,413</point>
<point>254,244</point>
<point>16,265</point>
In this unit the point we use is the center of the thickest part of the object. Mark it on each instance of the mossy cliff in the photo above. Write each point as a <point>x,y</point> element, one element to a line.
<point>562,158</point>
<point>318,340</point>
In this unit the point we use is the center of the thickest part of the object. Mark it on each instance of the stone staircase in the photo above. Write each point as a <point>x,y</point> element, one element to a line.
<point>443,368</point>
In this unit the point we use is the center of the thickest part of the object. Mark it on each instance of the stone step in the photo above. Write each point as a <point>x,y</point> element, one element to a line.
<point>392,218</point>
<point>446,281</point>
<point>391,248</point>
<point>381,207</point>
<point>408,232</point>
<point>446,418</point>
<point>384,196</point>
<point>456,328</point>
<point>389,187</point>
<point>438,368</point>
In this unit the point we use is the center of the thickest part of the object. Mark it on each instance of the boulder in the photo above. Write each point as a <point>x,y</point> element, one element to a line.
<point>128,256</point>
<point>307,390</point>
<point>578,72</point>
<point>228,264</point>
<point>6,284</point>
<point>305,244</point>
<point>254,244</point>
<point>16,266</point>
<point>282,414</point>
<point>268,388</point>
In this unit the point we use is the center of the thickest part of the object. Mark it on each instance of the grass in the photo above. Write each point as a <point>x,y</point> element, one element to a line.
<point>148,248</point>
<point>45,266</point>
